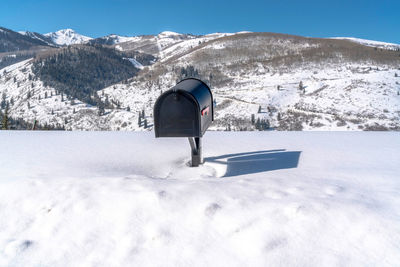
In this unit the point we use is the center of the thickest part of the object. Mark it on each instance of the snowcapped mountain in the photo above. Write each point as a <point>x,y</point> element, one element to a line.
<point>67,37</point>
<point>39,36</point>
<point>293,82</point>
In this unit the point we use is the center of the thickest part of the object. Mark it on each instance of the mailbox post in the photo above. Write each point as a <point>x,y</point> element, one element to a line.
<point>186,110</point>
<point>195,145</point>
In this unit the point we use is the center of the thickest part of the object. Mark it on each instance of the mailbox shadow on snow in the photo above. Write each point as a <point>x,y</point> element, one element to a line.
<point>257,161</point>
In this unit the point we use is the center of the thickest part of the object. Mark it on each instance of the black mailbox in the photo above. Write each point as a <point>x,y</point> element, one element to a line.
<point>186,110</point>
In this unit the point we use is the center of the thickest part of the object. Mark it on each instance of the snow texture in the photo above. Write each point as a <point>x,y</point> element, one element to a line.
<point>260,199</point>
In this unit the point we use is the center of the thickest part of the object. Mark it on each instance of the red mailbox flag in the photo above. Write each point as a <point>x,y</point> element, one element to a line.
<point>205,111</point>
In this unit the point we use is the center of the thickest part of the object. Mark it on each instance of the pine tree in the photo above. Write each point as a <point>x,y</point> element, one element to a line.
<point>259,109</point>
<point>101,110</point>
<point>145,123</point>
<point>3,101</point>
<point>128,109</point>
<point>264,125</point>
<point>5,120</point>
<point>35,123</point>
<point>107,101</point>
<point>253,119</point>
<point>139,120</point>
<point>301,85</point>
<point>258,124</point>
<point>143,115</point>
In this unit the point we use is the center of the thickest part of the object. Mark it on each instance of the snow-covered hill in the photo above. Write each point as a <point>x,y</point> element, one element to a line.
<point>32,101</point>
<point>14,42</point>
<point>166,44</point>
<point>377,44</point>
<point>113,39</point>
<point>260,199</point>
<point>344,85</point>
<point>67,37</point>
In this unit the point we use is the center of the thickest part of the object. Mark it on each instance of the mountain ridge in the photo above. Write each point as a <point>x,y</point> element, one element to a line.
<point>293,82</point>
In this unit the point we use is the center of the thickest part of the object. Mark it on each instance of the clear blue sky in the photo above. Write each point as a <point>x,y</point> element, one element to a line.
<point>377,20</point>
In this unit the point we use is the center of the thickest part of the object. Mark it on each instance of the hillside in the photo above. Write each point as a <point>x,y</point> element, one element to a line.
<point>14,41</point>
<point>80,71</point>
<point>260,199</point>
<point>16,47</point>
<point>344,85</point>
<point>292,82</point>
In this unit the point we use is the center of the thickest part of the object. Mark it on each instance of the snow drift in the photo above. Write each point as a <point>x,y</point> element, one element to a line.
<point>260,199</point>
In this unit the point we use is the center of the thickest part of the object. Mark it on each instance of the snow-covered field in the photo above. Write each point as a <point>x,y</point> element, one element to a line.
<point>260,199</point>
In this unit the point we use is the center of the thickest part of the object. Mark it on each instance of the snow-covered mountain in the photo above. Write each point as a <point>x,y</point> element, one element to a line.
<point>113,39</point>
<point>377,44</point>
<point>67,37</point>
<point>166,44</point>
<point>11,41</point>
<point>18,46</point>
<point>47,39</point>
<point>293,82</point>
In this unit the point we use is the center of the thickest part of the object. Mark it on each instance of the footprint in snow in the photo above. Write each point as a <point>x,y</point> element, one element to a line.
<point>16,246</point>
<point>333,190</point>
<point>275,243</point>
<point>212,209</point>
<point>162,194</point>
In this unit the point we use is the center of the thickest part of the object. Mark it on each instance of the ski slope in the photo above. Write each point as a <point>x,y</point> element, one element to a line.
<point>260,199</point>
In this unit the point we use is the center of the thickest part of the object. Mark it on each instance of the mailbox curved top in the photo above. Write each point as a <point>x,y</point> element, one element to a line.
<point>196,88</point>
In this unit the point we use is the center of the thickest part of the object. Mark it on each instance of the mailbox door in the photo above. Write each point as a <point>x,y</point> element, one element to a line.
<point>178,116</point>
